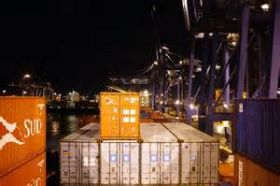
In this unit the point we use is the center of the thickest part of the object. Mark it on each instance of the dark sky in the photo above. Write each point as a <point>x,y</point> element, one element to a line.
<point>76,43</point>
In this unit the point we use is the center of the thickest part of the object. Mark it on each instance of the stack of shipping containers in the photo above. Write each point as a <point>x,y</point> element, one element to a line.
<point>22,141</point>
<point>120,132</point>
<point>199,155</point>
<point>257,139</point>
<point>114,152</point>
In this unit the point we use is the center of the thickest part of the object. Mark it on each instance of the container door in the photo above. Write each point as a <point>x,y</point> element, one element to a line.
<point>191,163</point>
<point>150,163</point>
<point>109,163</point>
<point>110,116</point>
<point>70,163</point>
<point>64,162</point>
<point>169,163</point>
<point>129,169</point>
<point>214,162</point>
<point>206,163</point>
<point>74,163</point>
<point>175,163</point>
<point>89,163</point>
<point>129,121</point>
<point>119,163</point>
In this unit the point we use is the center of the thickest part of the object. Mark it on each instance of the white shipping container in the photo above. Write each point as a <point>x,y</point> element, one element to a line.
<point>79,153</point>
<point>159,155</point>
<point>119,162</point>
<point>199,154</point>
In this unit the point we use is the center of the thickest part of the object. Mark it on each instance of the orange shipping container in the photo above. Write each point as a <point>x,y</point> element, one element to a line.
<point>32,173</point>
<point>119,115</point>
<point>249,173</point>
<point>22,130</point>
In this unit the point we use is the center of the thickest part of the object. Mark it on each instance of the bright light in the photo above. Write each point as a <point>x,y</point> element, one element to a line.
<point>177,102</point>
<point>265,7</point>
<point>4,91</point>
<point>233,43</point>
<point>278,92</point>
<point>218,67</point>
<point>180,78</point>
<point>211,34</point>
<point>180,62</point>
<point>54,93</point>
<point>191,106</point>
<point>225,105</point>
<point>26,76</point>
<point>155,63</point>
<point>161,102</point>
<point>165,48</point>
<point>199,35</point>
<point>198,69</point>
<point>193,76</point>
<point>24,92</point>
<point>220,129</point>
<point>145,93</point>
<point>168,72</point>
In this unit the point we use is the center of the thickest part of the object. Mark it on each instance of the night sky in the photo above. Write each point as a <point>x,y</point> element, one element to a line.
<point>76,44</point>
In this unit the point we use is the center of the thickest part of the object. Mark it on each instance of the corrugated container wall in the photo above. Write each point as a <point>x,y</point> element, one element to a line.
<point>79,153</point>
<point>22,130</point>
<point>257,130</point>
<point>119,162</point>
<point>32,173</point>
<point>159,155</point>
<point>120,115</point>
<point>249,173</point>
<point>199,155</point>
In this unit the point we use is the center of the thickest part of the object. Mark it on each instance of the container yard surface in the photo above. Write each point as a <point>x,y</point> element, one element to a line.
<point>199,154</point>
<point>22,130</point>
<point>79,153</point>
<point>119,115</point>
<point>250,173</point>
<point>159,155</point>
<point>32,173</point>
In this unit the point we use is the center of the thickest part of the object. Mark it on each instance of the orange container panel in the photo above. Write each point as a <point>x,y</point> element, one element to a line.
<point>109,115</point>
<point>250,173</point>
<point>22,130</point>
<point>119,115</point>
<point>30,173</point>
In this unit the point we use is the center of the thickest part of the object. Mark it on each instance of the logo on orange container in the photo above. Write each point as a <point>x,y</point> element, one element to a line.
<point>9,137</point>
<point>109,101</point>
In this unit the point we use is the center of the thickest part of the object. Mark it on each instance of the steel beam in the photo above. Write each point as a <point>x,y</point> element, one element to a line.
<point>243,49</point>
<point>275,63</point>
<point>227,73</point>
<point>202,92</point>
<point>191,64</point>
<point>209,126</point>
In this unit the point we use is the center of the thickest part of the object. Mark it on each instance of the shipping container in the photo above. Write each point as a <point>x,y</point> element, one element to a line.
<point>250,173</point>
<point>79,152</point>
<point>31,173</point>
<point>159,155</point>
<point>119,115</point>
<point>199,155</point>
<point>22,130</point>
<point>119,162</point>
<point>257,130</point>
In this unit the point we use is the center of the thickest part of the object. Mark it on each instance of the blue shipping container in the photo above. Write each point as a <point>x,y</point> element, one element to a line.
<point>257,130</point>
